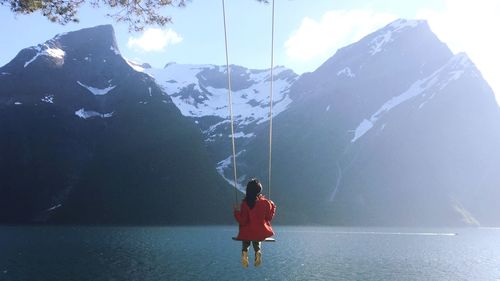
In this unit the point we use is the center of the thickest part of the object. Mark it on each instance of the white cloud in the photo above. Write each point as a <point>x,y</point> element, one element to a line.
<point>336,29</point>
<point>154,39</point>
<point>471,27</point>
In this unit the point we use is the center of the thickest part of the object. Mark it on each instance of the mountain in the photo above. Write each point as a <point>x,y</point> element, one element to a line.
<point>200,92</point>
<point>391,130</point>
<point>85,138</point>
<point>379,134</point>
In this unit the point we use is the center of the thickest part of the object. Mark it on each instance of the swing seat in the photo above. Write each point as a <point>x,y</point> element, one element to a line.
<point>268,239</point>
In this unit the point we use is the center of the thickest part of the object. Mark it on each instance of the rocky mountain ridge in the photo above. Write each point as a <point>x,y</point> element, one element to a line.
<point>394,129</point>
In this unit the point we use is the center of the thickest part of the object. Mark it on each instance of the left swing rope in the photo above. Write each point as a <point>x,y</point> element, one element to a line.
<point>230,103</point>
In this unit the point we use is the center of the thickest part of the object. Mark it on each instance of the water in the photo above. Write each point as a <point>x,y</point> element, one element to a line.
<point>208,253</point>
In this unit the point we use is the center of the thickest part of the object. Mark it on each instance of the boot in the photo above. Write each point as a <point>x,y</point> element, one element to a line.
<point>244,259</point>
<point>258,258</point>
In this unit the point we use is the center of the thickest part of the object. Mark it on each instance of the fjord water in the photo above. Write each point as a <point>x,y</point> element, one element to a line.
<point>208,253</point>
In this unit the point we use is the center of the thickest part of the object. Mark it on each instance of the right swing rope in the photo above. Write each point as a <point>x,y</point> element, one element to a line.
<point>271,102</point>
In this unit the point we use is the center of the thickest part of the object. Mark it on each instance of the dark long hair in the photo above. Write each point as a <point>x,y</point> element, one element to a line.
<point>254,188</point>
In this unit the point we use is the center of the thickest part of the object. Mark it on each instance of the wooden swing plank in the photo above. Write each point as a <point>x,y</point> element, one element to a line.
<point>269,239</point>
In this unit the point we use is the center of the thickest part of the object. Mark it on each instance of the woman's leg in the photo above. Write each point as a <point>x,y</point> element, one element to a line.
<point>244,253</point>
<point>256,245</point>
<point>258,254</point>
<point>245,245</point>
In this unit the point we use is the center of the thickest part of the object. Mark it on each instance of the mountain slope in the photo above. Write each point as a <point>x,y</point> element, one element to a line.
<point>392,130</point>
<point>87,139</point>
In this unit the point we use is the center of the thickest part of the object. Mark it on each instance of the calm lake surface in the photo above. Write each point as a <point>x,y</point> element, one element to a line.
<point>208,253</point>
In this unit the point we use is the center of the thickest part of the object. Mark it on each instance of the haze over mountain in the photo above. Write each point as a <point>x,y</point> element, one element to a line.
<point>391,130</point>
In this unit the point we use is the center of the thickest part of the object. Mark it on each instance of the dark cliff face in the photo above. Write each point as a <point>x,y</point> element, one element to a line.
<point>86,139</point>
<point>67,67</point>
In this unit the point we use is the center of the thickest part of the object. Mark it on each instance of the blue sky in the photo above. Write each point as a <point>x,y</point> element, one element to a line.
<point>306,33</point>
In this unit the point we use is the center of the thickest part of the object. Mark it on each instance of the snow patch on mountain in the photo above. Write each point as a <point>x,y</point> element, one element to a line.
<point>264,75</point>
<point>114,50</point>
<point>60,35</point>
<point>210,131</point>
<point>467,216</point>
<point>387,34</point>
<point>48,99</point>
<point>96,91</point>
<point>364,127</point>
<point>346,72</point>
<point>243,135</point>
<point>428,86</point>
<point>175,77</point>
<point>226,164</point>
<point>46,50</point>
<point>85,114</point>
<point>246,108</point>
<point>54,207</point>
<point>135,65</point>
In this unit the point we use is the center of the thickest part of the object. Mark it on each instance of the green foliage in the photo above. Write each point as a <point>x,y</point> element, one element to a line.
<point>136,13</point>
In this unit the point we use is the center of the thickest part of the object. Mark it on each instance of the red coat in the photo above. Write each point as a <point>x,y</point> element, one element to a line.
<point>255,224</point>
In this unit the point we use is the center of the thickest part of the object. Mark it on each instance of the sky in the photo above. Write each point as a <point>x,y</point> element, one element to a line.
<point>307,33</point>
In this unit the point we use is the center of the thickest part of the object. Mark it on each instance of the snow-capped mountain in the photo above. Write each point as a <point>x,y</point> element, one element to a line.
<point>201,90</point>
<point>394,129</point>
<point>201,93</point>
<point>85,138</point>
<point>91,73</point>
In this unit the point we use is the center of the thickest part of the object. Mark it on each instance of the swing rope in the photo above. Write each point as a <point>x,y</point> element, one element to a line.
<point>230,103</point>
<point>271,102</point>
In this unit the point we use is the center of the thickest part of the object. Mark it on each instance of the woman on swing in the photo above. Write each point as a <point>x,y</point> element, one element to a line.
<point>254,217</point>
